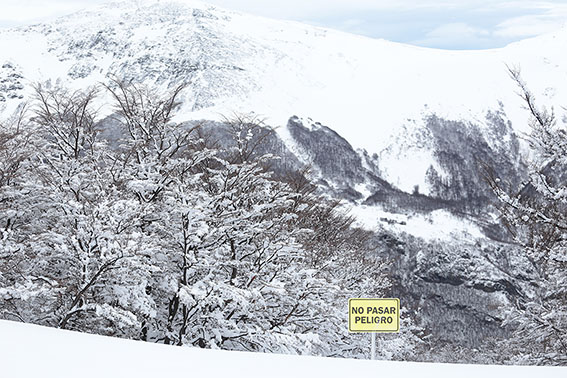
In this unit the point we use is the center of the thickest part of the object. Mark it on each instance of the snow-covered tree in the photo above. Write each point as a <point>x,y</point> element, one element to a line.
<point>156,233</point>
<point>75,233</point>
<point>14,153</point>
<point>536,215</point>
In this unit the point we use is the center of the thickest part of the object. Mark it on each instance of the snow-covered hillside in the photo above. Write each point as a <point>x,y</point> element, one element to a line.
<point>32,351</point>
<point>400,137</point>
<point>370,91</point>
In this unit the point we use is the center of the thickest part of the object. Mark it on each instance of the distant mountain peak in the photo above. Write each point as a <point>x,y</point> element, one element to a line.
<point>371,92</point>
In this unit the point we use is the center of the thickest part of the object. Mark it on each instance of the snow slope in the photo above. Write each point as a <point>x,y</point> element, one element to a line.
<point>365,89</point>
<point>437,225</point>
<point>33,351</point>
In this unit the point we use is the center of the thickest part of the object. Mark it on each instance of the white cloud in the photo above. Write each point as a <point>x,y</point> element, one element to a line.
<point>453,35</point>
<point>457,29</point>
<point>532,25</point>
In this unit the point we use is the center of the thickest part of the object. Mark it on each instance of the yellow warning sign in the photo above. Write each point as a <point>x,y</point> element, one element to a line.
<point>374,315</point>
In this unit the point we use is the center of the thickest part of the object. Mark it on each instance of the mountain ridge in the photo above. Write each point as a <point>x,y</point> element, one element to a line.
<point>377,95</point>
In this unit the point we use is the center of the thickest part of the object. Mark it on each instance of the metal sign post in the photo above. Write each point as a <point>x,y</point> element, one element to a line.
<point>373,347</point>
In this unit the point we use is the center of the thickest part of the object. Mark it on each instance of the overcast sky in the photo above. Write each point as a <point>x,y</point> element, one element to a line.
<point>449,24</point>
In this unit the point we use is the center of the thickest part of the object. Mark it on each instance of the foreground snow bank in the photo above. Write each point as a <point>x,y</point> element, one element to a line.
<point>33,351</point>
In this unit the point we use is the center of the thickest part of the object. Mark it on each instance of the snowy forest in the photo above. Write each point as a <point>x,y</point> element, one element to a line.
<point>165,237</point>
<point>139,227</point>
